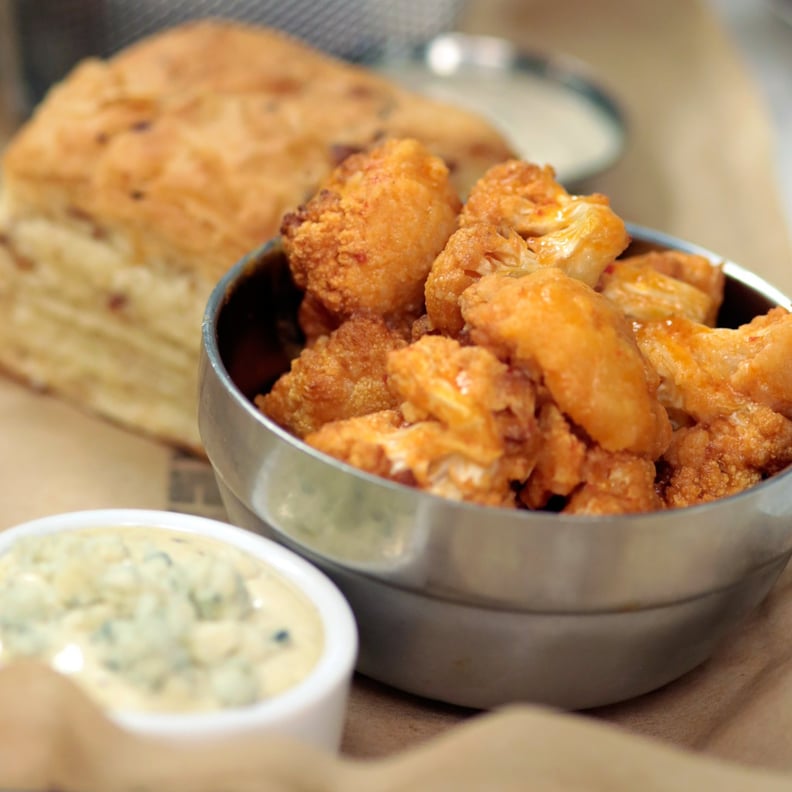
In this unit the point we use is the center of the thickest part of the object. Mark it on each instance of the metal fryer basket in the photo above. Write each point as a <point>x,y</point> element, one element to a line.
<point>50,36</point>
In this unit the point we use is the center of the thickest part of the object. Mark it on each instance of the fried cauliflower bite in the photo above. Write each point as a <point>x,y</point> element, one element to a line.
<point>730,392</point>
<point>487,406</point>
<point>580,234</point>
<point>725,456</point>
<point>708,372</point>
<point>615,483</point>
<point>365,242</point>
<point>580,346</point>
<point>559,464</point>
<point>361,442</point>
<point>574,476</point>
<point>425,455</point>
<point>644,294</point>
<point>342,375</point>
<point>471,252</point>
<point>697,271</point>
<point>661,284</point>
<point>468,428</point>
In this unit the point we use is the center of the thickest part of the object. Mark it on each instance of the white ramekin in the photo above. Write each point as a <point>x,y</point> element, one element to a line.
<point>312,711</point>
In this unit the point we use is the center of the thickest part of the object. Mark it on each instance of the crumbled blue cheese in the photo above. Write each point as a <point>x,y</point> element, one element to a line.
<point>156,620</point>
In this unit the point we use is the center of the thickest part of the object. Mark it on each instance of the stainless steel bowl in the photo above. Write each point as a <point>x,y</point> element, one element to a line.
<point>473,605</point>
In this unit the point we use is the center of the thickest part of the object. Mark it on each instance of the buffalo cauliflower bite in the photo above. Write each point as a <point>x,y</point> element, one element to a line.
<point>468,428</point>
<point>615,483</point>
<point>487,405</point>
<point>426,455</point>
<point>365,242</point>
<point>519,219</point>
<point>580,346</point>
<point>579,234</point>
<point>645,294</point>
<point>575,476</point>
<point>471,252</point>
<point>559,463</point>
<point>730,393</point>
<point>710,372</point>
<point>724,456</point>
<point>339,376</point>
<point>691,268</point>
<point>361,442</point>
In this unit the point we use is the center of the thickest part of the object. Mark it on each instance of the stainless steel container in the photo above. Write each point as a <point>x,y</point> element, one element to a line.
<point>474,605</point>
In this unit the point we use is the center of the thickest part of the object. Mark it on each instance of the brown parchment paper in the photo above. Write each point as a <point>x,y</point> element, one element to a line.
<point>699,164</point>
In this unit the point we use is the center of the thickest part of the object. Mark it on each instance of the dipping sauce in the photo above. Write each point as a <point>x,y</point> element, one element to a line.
<point>545,120</point>
<point>148,619</point>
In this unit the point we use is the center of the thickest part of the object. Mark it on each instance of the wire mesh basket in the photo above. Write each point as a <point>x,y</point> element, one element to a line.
<point>52,35</point>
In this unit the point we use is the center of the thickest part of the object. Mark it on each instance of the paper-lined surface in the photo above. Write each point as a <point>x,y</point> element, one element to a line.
<point>514,749</point>
<point>54,457</point>
<point>698,165</point>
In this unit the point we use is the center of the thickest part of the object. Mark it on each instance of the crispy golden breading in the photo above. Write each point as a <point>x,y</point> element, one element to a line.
<point>581,346</point>
<point>733,452</point>
<point>761,352</point>
<point>581,234</point>
<point>360,442</point>
<point>645,294</point>
<point>697,271</point>
<point>710,372</point>
<point>511,190</point>
<point>489,407</point>
<point>365,242</point>
<point>615,483</point>
<point>426,455</point>
<point>582,478</point>
<point>459,386</point>
<point>339,376</point>
<point>471,252</point>
<point>559,465</point>
<point>468,430</point>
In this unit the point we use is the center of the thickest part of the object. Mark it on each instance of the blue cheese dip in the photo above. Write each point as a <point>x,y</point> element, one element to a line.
<point>148,619</point>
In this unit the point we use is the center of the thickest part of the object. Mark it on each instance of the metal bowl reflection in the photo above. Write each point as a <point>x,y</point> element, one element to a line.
<point>473,605</point>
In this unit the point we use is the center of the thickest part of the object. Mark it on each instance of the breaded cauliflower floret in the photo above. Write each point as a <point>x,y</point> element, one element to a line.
<point>725,456</point>
<point>340,376</point>
<point>467,428</point>
<point>580,234</point>
<point>708,372</point>
<point>471,252</point>
<point>646,294</point>
<point>615,483</point>
<point>365,242</point>
<point>580,346</point>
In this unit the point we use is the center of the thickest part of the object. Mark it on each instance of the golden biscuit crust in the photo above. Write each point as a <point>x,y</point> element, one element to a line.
<point>141,180</point>
<point>196,141</point>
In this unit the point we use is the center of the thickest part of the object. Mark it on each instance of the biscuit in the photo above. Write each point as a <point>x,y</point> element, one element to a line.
<point>141,179</point>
